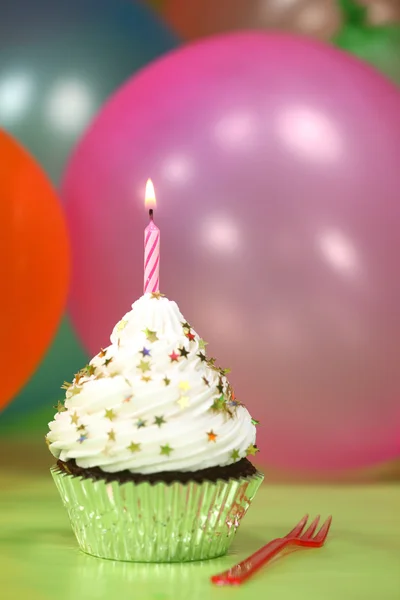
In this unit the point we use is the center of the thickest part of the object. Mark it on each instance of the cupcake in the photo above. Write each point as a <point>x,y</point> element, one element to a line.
<point>152,444</point>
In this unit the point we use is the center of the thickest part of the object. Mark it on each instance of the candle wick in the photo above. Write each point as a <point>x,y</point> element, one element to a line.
<point>151,214</point>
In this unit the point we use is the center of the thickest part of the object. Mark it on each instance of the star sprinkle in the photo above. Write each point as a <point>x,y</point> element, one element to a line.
<point>107,362</point>
<point>255,422</point>
<point>156,295</point>
<point>78,377</point>
<point>201,356</point>
<point>134,447</point>
<point>90,369</point>
<point>81,427</point>
<point>252,450</point>
<point>183,402</point>
<point>166,381</point>
<point>140,423</point>
<point>224,371</point>
<point>111,435</point>
<point>102,353</point>
<point>60,407</point>
<point>183,352</point>
<point>110,414</point>
<point>128,399</point>
<point>184,385</point>
<point>66,385</point>
<point>82,438</point>
<point>48,442</point>
<point>206,381</point>
<point>219,404</point>
<point>235,455</point>
<point>121,325</point>
<point>74,419</point>
<point>146,378</point>
<point>190,336</point>
<point>145,352</point>
<point>74,390</point>
<point>159,421</point>
<point>150,335</point>
<point>212,437</point>
<point>174,356</point>
<point>186,325</point>
<point>220,387</point>
<point>166,450</point>
<point>144,366</point>
<point>202,344</point>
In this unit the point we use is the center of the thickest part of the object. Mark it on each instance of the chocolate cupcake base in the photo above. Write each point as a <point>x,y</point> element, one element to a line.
<point>160,519</point>
<point>242,468</point>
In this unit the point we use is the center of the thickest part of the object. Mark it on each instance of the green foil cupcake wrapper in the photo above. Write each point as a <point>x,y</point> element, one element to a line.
<point>155,522</point>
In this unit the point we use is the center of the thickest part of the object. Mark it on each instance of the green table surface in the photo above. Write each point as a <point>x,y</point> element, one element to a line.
<point>40,558</point>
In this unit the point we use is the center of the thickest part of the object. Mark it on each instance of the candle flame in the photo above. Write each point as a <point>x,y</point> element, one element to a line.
<point>150,196</point>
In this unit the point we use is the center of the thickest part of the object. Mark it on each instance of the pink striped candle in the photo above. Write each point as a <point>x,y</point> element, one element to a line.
<point>151,245</point>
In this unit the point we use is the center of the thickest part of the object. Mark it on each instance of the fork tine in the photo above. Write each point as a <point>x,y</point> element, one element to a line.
<point>299,527</point>
<point>310,531</point>
<point>323,532</point>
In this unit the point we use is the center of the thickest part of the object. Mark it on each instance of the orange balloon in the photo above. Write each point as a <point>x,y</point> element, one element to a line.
<point>34,265</point>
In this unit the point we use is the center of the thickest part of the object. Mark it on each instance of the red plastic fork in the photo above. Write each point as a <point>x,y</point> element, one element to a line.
<point>245,569</point>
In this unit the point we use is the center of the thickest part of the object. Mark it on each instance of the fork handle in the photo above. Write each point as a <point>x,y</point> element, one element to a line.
<point>240,572</point>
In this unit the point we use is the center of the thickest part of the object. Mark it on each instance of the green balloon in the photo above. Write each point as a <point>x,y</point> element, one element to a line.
<point>378,46</point>
<point>59,62</point>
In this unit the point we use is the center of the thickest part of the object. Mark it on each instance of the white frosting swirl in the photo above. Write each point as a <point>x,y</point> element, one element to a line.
<point>151,401</point>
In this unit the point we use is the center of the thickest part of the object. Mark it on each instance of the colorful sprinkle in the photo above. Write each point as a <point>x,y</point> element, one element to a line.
<point>183,352</point>
<point>166,450</point>
<point>183,402</point>
<point>144,366</point>
<point>156,295</point>
<point>235,455</point>
<point>133,447</point>
<point>110,414</point>
<point>75,418</point>
<point>252,450</point>
<point>212,437</point>
<point>174,356</point>
<point>121,325</point>
<point>184,385</point>
<point>150,335</point>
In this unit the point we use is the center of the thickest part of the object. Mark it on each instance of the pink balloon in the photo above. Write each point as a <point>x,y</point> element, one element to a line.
<point>275,162</point>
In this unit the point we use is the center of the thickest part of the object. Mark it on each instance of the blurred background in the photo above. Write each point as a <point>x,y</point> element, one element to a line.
<point>271,130</point>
